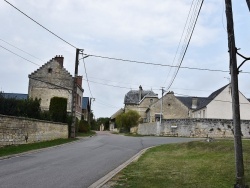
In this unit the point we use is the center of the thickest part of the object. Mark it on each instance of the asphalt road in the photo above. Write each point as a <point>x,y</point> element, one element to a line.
<point>75,165</point>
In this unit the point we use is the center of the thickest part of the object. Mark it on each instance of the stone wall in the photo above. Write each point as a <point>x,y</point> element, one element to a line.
<point>216,128</point>
<point>17,130</point>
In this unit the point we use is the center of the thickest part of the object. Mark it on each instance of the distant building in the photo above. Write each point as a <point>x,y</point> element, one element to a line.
<point>112,124</point>
<point>53,80</point>
<point>14,96</point>
<point>217,105</point>
<point>139,100</point>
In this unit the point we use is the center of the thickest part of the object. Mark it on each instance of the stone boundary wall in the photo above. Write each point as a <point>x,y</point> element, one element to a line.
<point>215,128</point>
<point>18,130</point>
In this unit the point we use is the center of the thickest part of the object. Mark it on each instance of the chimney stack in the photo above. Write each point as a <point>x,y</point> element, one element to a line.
<point>79,81</point>
<point>194,102</point>
<point>59,59</point>
<point>140,93</point>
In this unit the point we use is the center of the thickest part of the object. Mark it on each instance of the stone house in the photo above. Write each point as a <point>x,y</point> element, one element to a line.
<point>112,124</point>
<point>53,80</point>
<point>168,107</point>
<point>217,105</point>
<point>139,100</point>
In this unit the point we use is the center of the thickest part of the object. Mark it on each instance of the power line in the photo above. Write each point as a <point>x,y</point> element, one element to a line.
<point>40,24</point>
<point>186,47</point>
<point>158,64</point>
<point>19,56</point>
<point>135,84</point>
<point>108,105</point>
<point>179,41</point>
<point>68,89</point>
<point>152,87</point>
<point>109,85</point>
<point>21,50</point>
<point>86,76</point>
<point>204,98</point>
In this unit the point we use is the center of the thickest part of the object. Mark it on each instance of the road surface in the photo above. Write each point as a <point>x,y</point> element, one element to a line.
<point>77,164</point>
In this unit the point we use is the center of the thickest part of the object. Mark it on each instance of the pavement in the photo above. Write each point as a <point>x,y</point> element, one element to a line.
<point>89,162</point>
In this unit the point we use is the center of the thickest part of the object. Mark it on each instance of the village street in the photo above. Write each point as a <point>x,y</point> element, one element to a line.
<point>77,164</point>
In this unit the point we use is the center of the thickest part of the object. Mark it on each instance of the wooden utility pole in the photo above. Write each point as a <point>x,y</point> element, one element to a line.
<point>74,95</point>
<point>240,181</point>
<point>89,114</point>
<point>248,4</point>
<point>162,92</point>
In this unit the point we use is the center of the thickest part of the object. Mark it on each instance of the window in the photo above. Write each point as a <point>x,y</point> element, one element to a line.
<point>204,113</point>
<point>49,70</point>
<point>151,101</point>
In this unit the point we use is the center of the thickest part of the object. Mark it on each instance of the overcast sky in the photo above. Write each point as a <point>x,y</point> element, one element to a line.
<point>141,30</point>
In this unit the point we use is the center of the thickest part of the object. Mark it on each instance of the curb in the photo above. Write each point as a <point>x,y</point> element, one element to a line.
<point>37,150</point>
<point>99,183</point>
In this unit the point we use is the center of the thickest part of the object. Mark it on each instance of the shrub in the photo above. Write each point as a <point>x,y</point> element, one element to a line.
<point>127,120</point>
<point>58,109</point>
<point>19,107</point>
<point>83,126</point>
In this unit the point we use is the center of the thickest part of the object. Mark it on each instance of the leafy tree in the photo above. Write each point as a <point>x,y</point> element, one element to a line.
<point>58,109</point>
<point>127,120</point>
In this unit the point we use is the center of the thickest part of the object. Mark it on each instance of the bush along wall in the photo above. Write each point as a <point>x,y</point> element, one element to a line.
<point>17,107</point>
<point>58,109</point>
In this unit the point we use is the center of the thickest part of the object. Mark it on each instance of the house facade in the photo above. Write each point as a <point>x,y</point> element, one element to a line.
<point>53,80</point>
<point>219,105</point>
<point>139,100</point>
<point>112,124</point>
<point>168,107</point>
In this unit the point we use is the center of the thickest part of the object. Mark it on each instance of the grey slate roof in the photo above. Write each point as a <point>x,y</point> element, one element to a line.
<point>201,101</point>
<point>14,95</point>
<point>132,97</point>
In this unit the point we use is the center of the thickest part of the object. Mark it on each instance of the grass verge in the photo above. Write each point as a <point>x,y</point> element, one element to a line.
<point>90,133</point>
<point>185,165</point>
<point>10,150</point>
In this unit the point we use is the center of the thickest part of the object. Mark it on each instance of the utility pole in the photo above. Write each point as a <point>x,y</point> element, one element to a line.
<point>162,92</point>
<point>90,110</point>
<point>248,4</point>
<point>240,180</point>
<point>74,95</point>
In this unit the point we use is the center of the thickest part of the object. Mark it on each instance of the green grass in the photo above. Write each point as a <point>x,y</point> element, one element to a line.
<point>10,150</point>
<point>185,165</point>
<point>91,133</point>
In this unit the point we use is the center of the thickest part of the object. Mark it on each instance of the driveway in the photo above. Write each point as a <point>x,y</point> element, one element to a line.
<point>78,164</point>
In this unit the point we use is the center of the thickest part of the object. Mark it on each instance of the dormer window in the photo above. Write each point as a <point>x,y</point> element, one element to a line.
<point>49,70</point>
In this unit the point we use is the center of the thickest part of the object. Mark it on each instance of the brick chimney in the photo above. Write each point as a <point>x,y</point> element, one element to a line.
<point>59,59</point>
<point>79,81</point>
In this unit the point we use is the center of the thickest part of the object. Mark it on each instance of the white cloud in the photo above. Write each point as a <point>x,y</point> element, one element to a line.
<point>142,30</point>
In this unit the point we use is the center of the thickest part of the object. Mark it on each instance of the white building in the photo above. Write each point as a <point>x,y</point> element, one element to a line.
<point>219,105</point>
